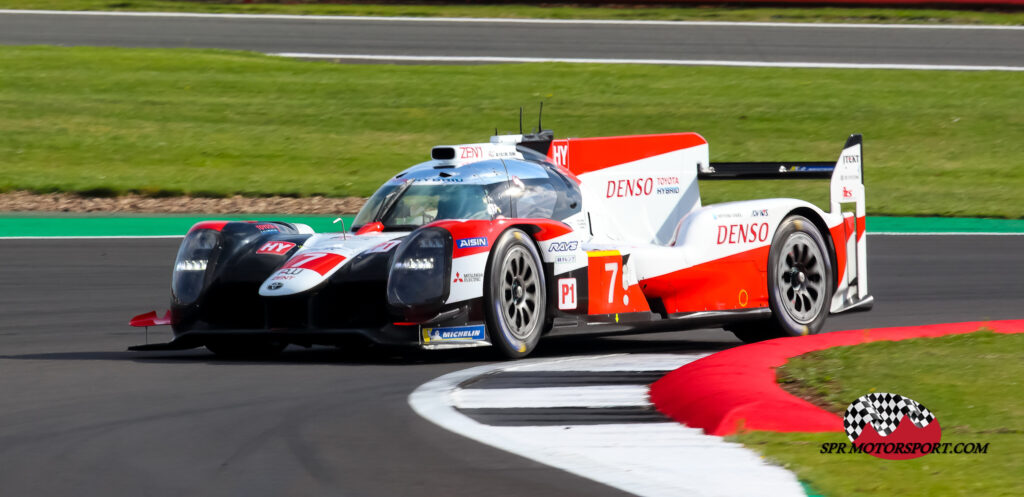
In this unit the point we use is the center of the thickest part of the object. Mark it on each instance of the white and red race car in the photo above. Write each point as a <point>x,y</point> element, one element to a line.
<point>501,243</point>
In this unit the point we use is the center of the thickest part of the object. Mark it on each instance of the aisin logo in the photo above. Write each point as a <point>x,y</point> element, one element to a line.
<point>891,426</point>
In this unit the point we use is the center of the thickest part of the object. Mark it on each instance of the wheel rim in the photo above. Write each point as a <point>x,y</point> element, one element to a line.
<point>800,278</point>
<point>519,293</point>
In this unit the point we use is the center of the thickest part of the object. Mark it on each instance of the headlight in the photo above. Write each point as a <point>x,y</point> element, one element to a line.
<point>198,251</point>
<point>419,273</point>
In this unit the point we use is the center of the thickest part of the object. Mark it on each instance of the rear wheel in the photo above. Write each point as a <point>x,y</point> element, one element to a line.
<point>799,284</point>
<point>515,295</point>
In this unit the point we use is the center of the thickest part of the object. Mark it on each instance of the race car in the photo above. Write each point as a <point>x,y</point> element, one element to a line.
<point>503,242</point>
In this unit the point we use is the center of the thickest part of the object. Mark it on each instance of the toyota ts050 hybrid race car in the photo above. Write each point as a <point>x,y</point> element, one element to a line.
<point>501,243</point>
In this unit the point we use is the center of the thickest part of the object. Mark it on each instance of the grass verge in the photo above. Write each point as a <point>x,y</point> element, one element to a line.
<point>551,11</point>
<point>971,382</point>
<point>215,123</point>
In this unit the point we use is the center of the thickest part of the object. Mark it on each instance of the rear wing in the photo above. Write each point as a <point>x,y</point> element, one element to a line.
<point>846,174</point>
<point>846,177</point>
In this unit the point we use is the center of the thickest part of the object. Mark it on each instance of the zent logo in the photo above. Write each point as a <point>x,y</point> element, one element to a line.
<point>564,246</point>
<point>276,248</point>
<point>471,153</point>
<point>567,293</point>
<point>480,241</point>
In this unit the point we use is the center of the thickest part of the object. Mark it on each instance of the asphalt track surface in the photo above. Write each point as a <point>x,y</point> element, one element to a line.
<point>368,36</point>
<point>81,416</point>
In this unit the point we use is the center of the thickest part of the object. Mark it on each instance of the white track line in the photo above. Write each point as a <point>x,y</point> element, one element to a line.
<point>492,20</point>
<point>649,459</point>
<point>589,396</point>
<point>669,62</point>
<point>611,362</point>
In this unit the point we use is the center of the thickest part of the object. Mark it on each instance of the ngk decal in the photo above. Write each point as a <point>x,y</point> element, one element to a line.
<point>742,233</point>
<point>567,293</point>
<point>276,248</point>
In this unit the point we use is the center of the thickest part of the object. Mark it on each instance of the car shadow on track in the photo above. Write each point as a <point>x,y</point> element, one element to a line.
<point>552,347</point>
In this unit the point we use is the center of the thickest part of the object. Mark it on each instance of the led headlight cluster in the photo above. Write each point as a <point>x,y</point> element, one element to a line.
<point>197,250</point>
<point>419,273</point>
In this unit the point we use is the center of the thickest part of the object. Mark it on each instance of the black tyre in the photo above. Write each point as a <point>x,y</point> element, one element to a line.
<point>246,350</point>
<point>799,284</point>
<point>515,295</point>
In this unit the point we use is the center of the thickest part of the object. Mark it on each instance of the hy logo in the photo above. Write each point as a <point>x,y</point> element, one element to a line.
<point>877,421</point>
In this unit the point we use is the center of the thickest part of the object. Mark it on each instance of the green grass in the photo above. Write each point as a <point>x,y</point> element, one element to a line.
<point>549,11</point>
<point>972,383</point>
<point>108,120</point>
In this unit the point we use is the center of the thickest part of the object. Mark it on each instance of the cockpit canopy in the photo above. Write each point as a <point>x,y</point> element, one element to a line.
<point>488,189</point>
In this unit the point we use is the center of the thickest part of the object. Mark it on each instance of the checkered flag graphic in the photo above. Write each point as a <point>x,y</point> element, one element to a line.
<point>884,411</point>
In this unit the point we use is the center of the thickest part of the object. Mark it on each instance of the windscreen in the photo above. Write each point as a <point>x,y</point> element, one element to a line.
<point>421,204</point>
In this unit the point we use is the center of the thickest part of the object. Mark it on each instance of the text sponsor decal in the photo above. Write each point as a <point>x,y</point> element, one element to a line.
<point>266,227</point>
<point>454,334</point>
<point>847,193</point>
<point>468,277</point>
<point>643,187</point>
<point>560,155</point>
<point>321,262</point>
<point>276,248</point>
<point>759,213</point>
<point>384,247</point>
<point>478,241</point>
<point>287,274</point>
<point>567,293</point>
<point>563,246</point>
<point>742,233</point>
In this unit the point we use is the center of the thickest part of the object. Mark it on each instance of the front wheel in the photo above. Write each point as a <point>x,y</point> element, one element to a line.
<point>799,284</point>
<point>515,295</point>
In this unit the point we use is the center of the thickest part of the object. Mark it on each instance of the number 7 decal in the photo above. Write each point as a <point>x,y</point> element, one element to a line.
<point>613,267</point>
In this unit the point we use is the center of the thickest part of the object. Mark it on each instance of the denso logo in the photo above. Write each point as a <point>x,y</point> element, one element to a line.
<point>742,233</point>
<point>563,246</point>
<point>638,187</point>
<point>479,241</point>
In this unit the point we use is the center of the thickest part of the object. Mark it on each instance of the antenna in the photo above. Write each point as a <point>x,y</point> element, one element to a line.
<point>344,236</point>
<point>540,114</point>
<point>520,120</point>
<point>495,131</point>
